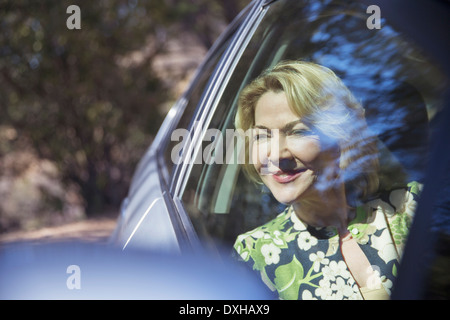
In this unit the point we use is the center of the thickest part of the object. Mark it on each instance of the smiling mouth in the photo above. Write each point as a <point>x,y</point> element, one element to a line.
<point>287,176</point>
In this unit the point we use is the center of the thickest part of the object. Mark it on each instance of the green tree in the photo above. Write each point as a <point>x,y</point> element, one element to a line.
<point>89,99</point>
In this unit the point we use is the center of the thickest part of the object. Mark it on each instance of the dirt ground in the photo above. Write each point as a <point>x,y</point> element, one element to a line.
<point>90,230</point>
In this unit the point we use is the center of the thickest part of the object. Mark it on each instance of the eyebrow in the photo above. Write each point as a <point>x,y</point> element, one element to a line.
<point>287,127</point>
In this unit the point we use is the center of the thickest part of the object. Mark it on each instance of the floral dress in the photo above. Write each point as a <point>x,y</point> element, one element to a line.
<point>303,262</point>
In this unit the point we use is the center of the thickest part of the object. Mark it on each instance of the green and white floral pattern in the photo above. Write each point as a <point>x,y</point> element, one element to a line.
<point>302,262</point>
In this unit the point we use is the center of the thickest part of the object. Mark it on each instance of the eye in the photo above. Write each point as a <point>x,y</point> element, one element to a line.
<point>300,132</point>
<point>261,135</point>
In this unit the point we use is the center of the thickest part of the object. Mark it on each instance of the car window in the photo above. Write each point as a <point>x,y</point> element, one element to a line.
<point>196,91</point>
<point>192,102</point>
<point>398,86</point>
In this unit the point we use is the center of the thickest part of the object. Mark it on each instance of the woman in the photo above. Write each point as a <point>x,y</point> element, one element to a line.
<point>311,147</point>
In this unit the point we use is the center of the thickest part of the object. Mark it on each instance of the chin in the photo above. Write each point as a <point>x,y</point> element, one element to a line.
<point>285,197</point>
<point>289,193</point>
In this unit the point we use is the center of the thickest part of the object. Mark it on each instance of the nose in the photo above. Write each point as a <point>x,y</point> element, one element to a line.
<point>287,164</point>
<point>280,155</point>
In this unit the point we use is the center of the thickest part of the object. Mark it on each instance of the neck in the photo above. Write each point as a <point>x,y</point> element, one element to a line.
<point>326,209</point>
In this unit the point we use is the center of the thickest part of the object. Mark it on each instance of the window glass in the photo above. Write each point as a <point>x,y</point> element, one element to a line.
<point>398,86</point>
<point>196,91</point>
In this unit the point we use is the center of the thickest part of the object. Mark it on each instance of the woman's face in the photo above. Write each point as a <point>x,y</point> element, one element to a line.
<point>288,155</point>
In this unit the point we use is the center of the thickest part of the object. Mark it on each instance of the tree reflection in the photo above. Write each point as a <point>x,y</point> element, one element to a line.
<point>396,84</point>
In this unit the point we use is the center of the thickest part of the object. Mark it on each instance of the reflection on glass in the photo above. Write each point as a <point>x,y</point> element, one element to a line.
<point>325,170</point>
<point>400,93</point>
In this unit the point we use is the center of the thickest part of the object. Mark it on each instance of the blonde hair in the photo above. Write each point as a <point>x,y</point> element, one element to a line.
<point>322,100</point>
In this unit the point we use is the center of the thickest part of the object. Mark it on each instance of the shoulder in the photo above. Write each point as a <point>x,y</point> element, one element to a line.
<point>400,200</point>
<point>269,236</point>
<point>398,206</point>
<point>270,226</point>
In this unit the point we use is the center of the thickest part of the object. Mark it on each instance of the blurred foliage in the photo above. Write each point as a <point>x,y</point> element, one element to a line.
<point>73,96</point>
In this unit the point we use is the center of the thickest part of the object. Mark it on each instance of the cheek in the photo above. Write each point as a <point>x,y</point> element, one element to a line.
<point>258,155</point>
<point>307,151</point>
<point>327,166</point>
<point>330,157</point>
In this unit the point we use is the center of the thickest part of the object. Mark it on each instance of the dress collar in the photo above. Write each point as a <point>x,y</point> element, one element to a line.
<point>356,227</point>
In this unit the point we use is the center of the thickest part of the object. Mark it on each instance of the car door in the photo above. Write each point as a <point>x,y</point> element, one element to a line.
<point>399,85</point>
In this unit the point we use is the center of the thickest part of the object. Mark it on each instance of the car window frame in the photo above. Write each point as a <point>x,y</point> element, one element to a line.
<point>178,109</point>
<point>213,93</point>
<point>238,31</point>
